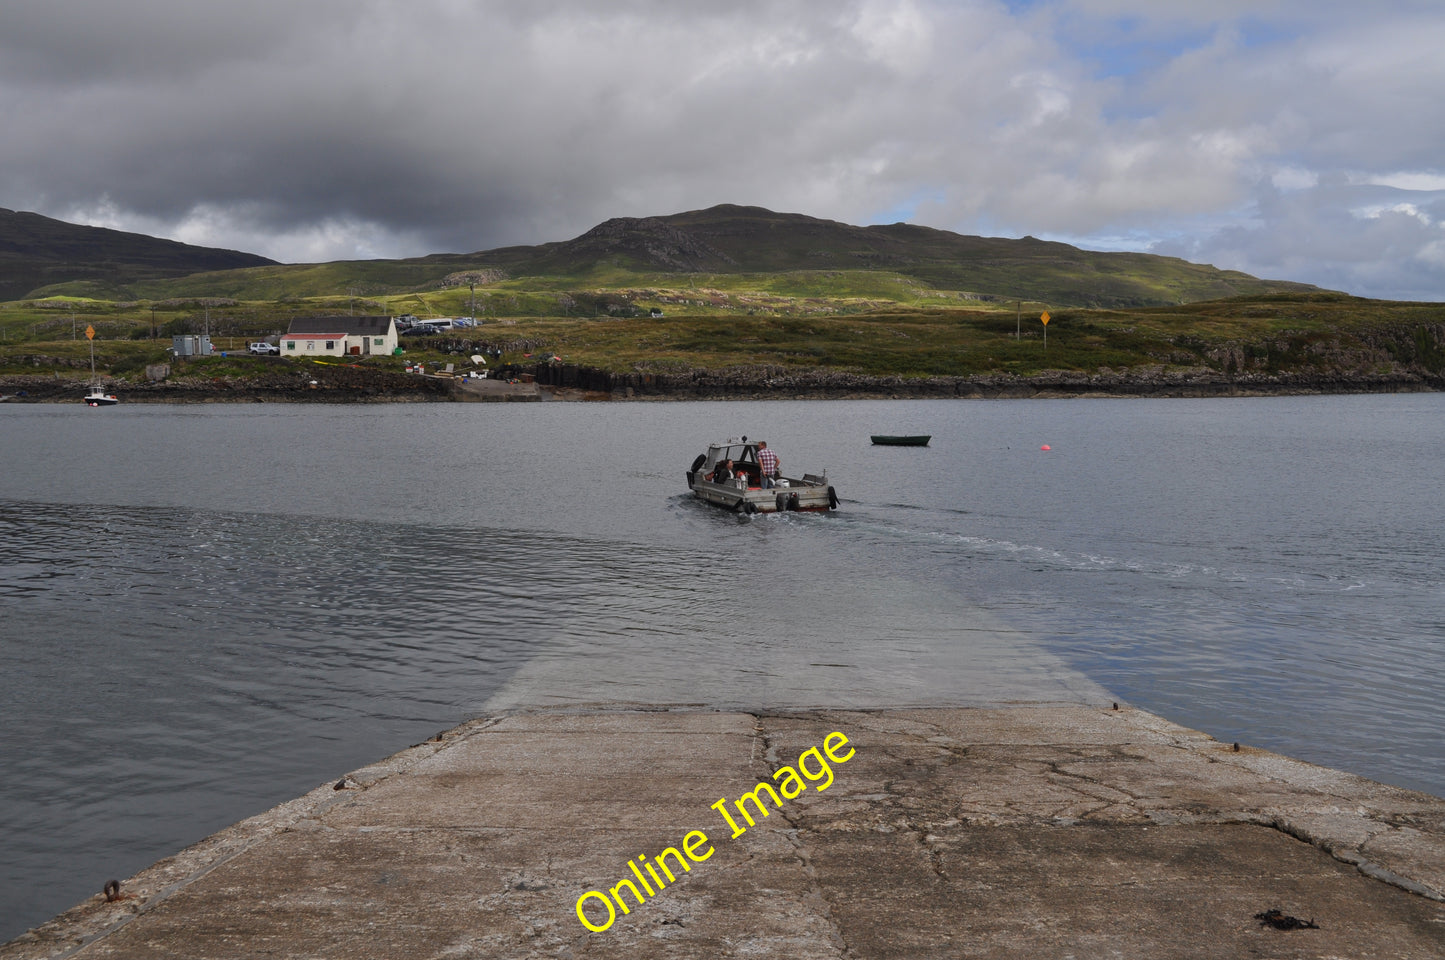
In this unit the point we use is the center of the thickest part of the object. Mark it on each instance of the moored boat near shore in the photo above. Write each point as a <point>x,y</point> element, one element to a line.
<point>745,491</point>
<point>97,396</point>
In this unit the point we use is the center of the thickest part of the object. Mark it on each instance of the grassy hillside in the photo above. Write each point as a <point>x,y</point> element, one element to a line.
<point>730,239</point>
<point>38,252</point>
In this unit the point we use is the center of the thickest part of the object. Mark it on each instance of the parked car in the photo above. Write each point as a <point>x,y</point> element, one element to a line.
<point>421,330</point>
<point>262,348</point>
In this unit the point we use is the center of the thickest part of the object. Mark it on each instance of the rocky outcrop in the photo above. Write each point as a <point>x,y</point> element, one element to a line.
<point>473,277</point>
<point>650,240</point>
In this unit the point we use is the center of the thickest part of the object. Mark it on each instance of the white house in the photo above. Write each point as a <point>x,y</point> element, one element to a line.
<point>339,337</point>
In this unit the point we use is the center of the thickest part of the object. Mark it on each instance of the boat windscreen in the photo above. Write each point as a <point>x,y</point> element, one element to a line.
<point>718,452</point>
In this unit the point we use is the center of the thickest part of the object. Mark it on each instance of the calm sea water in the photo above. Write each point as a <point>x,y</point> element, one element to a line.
<point>207,610</point>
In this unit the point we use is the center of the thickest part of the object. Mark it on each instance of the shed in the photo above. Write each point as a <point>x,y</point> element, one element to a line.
<point>191,345</point>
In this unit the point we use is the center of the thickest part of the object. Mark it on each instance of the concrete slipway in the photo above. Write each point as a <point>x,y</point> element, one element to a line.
<point>1027,832</point>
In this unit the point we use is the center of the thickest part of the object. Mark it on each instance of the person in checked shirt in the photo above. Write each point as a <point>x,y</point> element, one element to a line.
<point>768,460</point>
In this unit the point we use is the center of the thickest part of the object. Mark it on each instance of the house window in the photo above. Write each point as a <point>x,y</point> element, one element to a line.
<point>310,344</point>
<point>290,344</point>
<point>378,342</point>
<point>330,344</point>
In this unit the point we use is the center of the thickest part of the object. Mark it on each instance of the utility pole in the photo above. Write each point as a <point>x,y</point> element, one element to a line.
<point>1018,319</point>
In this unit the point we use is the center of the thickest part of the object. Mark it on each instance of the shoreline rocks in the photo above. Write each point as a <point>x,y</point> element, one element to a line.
<point>572,382</point>
<point>764,384</point>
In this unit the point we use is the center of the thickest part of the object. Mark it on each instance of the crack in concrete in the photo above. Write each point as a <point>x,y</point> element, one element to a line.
<point>932,853</point>
<point>794,833</point>
<point>1352,856</point>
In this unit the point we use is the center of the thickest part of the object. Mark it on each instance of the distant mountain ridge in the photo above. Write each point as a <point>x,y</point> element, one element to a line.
<point>736,239</point>
<point>37,251</point>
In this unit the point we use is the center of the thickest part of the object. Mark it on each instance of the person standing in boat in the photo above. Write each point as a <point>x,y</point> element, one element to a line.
<point>768,461</point>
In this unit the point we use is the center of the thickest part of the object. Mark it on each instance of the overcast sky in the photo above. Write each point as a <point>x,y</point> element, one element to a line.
<point>1292,139</point>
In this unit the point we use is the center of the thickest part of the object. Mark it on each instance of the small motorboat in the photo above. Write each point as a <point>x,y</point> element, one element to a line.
<point>884,440</point>
<point>99,398</point>
<point>745,493</point>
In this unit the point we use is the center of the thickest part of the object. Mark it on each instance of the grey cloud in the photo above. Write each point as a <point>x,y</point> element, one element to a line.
<point>94,41</point>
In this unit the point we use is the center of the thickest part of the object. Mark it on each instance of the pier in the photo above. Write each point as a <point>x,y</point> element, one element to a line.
<point>1031,831</point>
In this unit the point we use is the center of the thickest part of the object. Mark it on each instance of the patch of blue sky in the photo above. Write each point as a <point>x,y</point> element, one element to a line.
<point>1128,242</point>
<point>1123,50</point>
<point>1255,33</point>
<point>1126,54</point>
<point>1131,45</point>
<point>1127,51</point>
<point>906,210</point>
<point>899,213</point>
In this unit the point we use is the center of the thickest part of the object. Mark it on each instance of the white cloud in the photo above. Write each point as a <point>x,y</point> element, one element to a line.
<point>1376,211</point>
<point>895,33</point>
<point>1403,180</point>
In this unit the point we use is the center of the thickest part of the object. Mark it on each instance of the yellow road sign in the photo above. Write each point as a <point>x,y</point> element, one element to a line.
<point>89,332</point>
<point>1045,318</point>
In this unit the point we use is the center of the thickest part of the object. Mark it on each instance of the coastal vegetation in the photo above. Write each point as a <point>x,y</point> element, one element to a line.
<point>1318,333</point>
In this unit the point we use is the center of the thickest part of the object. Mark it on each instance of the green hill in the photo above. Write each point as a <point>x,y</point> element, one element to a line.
<point>731,247</point>
<point>730,239</point>
<point>38,252</point>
